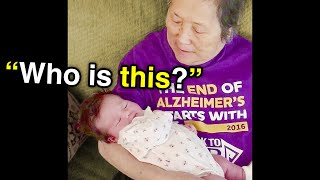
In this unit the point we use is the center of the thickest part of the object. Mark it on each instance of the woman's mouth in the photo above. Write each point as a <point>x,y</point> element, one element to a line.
<point>184,50</point>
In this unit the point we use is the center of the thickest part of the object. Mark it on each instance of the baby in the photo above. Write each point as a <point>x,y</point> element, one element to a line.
<point>150,136</point>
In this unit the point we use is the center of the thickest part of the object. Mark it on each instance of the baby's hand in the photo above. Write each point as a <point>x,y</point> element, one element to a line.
<point>191,128</point>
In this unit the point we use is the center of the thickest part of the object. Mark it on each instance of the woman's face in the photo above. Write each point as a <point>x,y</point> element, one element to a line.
<point>193,30</point>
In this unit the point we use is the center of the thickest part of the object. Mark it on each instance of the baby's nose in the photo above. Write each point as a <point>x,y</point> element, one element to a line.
<point>125,115</point>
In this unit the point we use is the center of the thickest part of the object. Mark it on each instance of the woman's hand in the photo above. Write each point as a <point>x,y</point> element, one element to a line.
<point>231,171</point>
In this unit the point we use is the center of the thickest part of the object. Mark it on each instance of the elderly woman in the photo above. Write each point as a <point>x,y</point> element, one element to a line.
<point>199,33</point>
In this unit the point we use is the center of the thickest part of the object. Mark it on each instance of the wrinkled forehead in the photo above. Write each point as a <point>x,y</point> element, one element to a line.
<point>193,5</point>
<point>198,11</point>
<point>212,2</point>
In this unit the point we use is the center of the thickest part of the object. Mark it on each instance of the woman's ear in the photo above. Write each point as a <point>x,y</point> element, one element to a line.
<point>110,139</point>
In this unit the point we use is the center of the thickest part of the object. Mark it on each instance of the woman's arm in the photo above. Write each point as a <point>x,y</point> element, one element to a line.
<point>121,159</point>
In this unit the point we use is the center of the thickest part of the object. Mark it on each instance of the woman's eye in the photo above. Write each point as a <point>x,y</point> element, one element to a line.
<point>176,21</point>
<point>197,31</point>
<point>126,105</point>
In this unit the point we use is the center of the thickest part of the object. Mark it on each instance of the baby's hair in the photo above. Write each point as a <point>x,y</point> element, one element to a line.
<point>89,111</point>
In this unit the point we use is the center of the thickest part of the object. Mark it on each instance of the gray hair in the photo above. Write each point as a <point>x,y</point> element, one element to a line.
<point>228,13</point>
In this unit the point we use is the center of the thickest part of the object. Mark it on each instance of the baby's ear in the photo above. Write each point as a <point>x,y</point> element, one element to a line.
<point>110,139</point>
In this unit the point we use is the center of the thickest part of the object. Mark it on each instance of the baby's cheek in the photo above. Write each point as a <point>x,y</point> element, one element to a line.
<point>121,126</point>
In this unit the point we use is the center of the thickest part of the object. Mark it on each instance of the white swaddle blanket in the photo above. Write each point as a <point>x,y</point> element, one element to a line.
<point>153,138</point>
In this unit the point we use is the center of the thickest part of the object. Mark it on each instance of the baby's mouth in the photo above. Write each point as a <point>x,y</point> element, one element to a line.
<point>132,116</point>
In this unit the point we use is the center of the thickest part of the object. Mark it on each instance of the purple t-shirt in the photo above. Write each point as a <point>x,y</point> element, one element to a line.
<point>218,104</point>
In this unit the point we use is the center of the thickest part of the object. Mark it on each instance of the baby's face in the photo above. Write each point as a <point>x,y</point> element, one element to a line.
<point>115,114</point>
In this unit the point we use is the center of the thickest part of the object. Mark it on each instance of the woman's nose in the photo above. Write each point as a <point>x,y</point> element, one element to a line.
<point>185,35</point>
